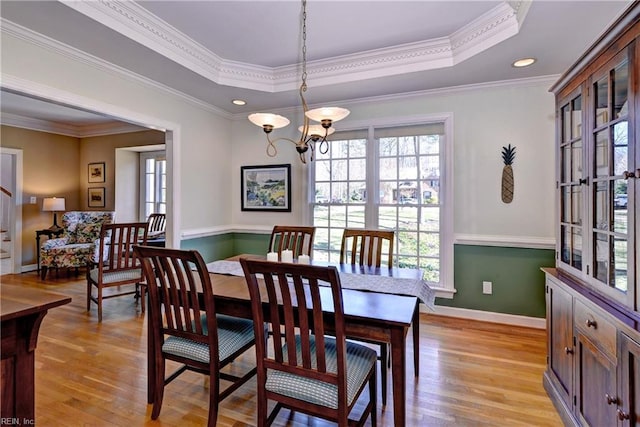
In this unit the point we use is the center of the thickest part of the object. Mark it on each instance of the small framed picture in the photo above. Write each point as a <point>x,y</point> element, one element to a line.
<point>96,197</point>
<point>96,172</point>
<point>266,188</point>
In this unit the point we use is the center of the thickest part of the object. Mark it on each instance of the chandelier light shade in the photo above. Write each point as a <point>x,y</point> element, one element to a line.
<point>55,205</point>
<point>310,134</point>
<point>330,114</point>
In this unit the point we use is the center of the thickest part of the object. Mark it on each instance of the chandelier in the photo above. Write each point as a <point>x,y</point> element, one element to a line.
<point>311,134</point>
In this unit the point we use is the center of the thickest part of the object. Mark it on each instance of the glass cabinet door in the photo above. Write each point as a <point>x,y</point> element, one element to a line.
<point>612,215</point>
<point>571,182</point>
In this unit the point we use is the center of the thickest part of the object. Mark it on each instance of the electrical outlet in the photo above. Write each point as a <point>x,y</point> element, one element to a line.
<point>487,288</point>
<point>32,200</point>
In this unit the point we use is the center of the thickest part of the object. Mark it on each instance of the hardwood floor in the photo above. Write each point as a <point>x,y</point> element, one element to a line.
<point>90,374</point>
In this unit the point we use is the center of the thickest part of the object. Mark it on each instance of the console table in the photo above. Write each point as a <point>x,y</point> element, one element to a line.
<point>21,313</point>
<point>50,234</point>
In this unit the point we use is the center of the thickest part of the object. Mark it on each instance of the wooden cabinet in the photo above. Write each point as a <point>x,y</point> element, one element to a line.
<point>628,411</point>
<point>560,340</point>
<point>593,294</point>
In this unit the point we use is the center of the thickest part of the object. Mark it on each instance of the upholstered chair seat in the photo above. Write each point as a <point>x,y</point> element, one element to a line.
<point>360,362</point>
<point>233,334</point>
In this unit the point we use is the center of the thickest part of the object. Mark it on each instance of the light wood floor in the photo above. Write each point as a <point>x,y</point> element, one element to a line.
<point>89,374</point>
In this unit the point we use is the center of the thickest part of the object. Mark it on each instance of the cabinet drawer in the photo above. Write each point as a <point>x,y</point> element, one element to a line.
<point>594,325</point>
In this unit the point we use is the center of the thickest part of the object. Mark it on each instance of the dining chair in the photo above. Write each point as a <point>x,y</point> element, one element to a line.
<point>367,247</point>
<point>298,239</point>
<point>186,329</point>
<point>116,264</point>
<point>157,225</point>
<point>303,369</point>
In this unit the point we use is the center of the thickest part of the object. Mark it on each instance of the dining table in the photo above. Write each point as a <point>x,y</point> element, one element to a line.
<point>380,304</point>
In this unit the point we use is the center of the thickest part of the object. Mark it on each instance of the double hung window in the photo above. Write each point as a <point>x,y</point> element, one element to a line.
<point>387,177</point>
<point>153,183</point>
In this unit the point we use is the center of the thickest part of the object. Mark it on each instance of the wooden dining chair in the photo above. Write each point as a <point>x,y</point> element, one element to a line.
<point>186,329</point>
<point>157,224</point>
<point>298,239</point>
<point>117,265</point>
<point>368,247</point>
<point>304,369</point>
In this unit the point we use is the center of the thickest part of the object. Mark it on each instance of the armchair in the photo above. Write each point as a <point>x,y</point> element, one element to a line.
<point>78,244</point>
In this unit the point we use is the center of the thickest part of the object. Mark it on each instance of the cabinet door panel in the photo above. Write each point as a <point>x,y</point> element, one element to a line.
<point>596,391</point>
<point>629,382</point>
<point>560,317</point>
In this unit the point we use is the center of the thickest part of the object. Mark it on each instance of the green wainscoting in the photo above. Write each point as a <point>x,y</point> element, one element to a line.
<point>518,283</point>
<point>223,246</point>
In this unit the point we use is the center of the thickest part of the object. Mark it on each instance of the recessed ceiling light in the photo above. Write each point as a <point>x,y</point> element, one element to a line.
<point>524,62</point>
<point>239,102</point>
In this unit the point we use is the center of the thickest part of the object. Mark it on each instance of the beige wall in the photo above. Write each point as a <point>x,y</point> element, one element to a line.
<point>57,165</point>
<point>50,165</point>
<point>102,149</point>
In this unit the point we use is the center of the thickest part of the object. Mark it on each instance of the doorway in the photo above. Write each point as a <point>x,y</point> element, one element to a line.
<point>10,210</point>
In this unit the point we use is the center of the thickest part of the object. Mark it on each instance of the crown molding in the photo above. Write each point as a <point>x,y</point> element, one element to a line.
<point>528,81</point>
<point>74,131</point>
<point>135,22</point>
<point>12,29</point>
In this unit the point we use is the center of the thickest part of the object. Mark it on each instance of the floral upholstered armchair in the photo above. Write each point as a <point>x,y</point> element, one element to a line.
<point>78,244</point>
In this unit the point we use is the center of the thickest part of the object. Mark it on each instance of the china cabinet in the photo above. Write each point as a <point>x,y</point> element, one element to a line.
<point>593,294</point>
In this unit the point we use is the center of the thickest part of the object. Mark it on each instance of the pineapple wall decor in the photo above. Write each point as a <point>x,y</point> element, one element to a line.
<point>508,155</point>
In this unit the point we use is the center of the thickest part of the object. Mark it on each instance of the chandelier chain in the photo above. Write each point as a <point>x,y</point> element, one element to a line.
<point>304,44</point>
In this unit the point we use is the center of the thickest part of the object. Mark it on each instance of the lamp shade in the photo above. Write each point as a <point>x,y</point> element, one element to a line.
<point>53,204</point>
<point>327,113</point>
<point>268,119</point>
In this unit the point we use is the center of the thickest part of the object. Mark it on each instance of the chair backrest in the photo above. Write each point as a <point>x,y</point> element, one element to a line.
<point>366,247</point>
<point>157,223</point>
<point>292,293</point>
<point>174,278</point>
<point>117,240</point>
<point>84,226</point>
<point>297,239</point>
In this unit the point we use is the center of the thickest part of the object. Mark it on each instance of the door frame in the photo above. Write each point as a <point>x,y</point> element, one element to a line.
<point>16,208</point>
<point>172,136</point>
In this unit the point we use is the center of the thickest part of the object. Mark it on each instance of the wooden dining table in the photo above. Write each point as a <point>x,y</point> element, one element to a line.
<point>373,316</point>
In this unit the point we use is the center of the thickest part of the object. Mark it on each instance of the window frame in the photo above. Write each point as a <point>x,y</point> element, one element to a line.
<point>446,287</point>
<point>144,156</point>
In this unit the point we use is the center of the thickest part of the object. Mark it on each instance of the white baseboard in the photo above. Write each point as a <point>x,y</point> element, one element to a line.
<point>487,316</point>
<point>28,268</point>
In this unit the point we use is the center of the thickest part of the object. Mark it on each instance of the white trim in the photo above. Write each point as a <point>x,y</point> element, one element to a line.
<point>28,268</point>
<point>136,23</point>
<point>196,233</point>
<point>528,242</point>
<point>106,128</point>
<point>524,82</point>
<point>16,238</point>
<point>62,49</point>
<point>171,129</point>
<point>488,316</point>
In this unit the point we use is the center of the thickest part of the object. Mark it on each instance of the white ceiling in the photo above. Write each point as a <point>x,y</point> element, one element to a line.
<point>217,51</point>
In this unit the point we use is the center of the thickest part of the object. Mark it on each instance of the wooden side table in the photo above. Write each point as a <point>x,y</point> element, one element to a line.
<point>21,313</point>
<point>50,234</point>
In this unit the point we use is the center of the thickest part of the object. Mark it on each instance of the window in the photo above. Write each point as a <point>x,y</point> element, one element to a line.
<point>388,177</point>
<point>153,183</point>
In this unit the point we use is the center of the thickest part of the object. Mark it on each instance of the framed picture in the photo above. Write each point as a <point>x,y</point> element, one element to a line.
<point>266,188</point>
<point>96,197</point>
<point>96,172</point>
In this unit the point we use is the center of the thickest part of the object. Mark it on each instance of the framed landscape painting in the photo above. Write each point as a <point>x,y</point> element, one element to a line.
<point>266,188</point>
